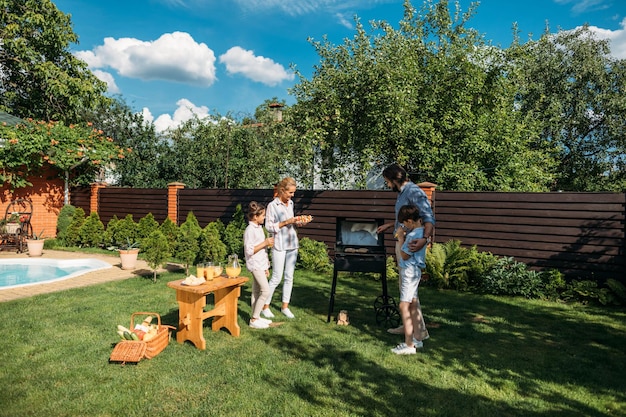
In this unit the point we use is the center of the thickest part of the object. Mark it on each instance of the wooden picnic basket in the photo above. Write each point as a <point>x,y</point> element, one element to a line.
<point>135,350</point>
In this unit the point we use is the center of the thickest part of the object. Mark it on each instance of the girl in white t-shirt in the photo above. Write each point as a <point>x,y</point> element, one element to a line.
<point>257,262</point>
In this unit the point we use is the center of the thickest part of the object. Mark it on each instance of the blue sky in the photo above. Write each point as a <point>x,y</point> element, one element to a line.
<point>169,58</point>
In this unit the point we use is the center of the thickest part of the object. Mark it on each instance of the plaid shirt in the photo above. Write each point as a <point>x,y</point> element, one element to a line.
<point>286,237</point>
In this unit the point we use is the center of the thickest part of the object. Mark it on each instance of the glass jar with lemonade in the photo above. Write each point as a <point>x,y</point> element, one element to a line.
<point>233,269</point>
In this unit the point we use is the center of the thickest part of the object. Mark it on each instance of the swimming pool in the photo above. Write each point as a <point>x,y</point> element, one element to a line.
<point>21,272</point>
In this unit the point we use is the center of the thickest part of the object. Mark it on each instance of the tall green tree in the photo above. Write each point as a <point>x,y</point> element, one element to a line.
<point>431,95</point>
<point>70,149</point>
<point>223,152</point>
<point>145,149</point>
<point>39,77</point>
<point>569,83</point>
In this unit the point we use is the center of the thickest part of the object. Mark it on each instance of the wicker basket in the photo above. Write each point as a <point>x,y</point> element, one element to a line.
<point>135,350</point>
<point>128,351</point>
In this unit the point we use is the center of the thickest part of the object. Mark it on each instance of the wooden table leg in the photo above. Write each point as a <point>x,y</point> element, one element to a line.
<point>190,318</point>
<point>226,299</point>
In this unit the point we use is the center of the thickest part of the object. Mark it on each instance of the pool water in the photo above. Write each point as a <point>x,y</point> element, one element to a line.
<point>19,272</point>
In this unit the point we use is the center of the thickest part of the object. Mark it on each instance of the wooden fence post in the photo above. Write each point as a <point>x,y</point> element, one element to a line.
<point>172,200</point>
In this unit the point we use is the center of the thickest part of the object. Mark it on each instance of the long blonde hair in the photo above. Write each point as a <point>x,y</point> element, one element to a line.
<point>285,183</point>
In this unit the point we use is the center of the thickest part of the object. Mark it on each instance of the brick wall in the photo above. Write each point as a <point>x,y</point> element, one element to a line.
<point>46,194</point>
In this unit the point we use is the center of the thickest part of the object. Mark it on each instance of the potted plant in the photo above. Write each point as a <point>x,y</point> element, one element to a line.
<point>11,224</point>
<point>128,254</point>
<point>35,244</point>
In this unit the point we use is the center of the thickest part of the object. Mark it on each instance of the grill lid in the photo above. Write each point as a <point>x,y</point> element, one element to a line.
<point>359,233</point>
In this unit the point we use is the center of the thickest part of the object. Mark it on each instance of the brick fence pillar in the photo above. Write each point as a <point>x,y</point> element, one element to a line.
<point>93,198</point>
<point>429,189</point>
<point>172,200</point>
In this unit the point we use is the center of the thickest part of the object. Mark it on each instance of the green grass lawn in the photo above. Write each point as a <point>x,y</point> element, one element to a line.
<point>487,356</point>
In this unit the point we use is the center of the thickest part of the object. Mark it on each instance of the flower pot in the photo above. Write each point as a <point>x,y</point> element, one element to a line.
<point>11,228</point>
<point>129,258</point>
<point>35,247</point>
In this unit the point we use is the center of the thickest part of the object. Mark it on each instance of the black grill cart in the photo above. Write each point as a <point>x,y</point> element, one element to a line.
<point>359,248</point>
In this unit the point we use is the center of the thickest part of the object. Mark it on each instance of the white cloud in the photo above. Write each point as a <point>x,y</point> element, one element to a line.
<point>257,68</point>
<point>583,6</point>
<point>173,57</point>
<point>107,78</point>
<point>184,112</point>
<point>344,21</point>
<point>302,7</point>
<point>617,39</point>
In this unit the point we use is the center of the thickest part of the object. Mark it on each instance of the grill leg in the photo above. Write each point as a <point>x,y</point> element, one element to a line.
<point>331,302</point>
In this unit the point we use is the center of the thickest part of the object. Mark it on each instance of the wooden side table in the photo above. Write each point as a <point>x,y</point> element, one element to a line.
<point>191,302</point>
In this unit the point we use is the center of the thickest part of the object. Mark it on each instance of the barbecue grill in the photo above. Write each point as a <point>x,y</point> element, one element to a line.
<point>359,248</point>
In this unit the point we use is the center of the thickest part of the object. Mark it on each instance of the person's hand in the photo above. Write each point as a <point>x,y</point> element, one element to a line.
<point>269,242</point>
<point>417,244</point>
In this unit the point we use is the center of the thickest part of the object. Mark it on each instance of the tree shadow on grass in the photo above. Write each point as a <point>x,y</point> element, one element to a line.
<point>539,351</point>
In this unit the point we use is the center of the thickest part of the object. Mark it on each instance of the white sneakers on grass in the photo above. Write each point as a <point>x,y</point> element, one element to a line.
<point>267,313</point>
<point>258,324</point>
<point>403,349</point>
<point>286,312</point>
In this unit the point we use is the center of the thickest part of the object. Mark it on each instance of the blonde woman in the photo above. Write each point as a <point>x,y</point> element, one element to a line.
<point>280,223</point>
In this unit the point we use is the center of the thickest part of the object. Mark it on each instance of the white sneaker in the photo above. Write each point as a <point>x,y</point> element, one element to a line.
<point>267,313</point>
<point>288,313</point>
<point>396,330</point>
<point>403,349</point>
<point>258,324</point>
<point>268,321</point>
<point>417,343</point>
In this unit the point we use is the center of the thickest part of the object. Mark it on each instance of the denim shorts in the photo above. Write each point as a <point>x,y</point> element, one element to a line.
<point>409,281</point>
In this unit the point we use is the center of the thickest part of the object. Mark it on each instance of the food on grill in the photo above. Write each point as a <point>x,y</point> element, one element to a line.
<point>356,250</point>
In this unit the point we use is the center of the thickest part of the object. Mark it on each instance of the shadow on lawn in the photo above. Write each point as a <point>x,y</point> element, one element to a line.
<point>540,351</point>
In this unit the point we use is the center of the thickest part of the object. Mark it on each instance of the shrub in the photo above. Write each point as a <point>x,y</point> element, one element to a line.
<point>553,283</point>
<point>211,246</point>
<point>120,232</point>
<point>109,243</point>
<point>92,231</point>
<point>169,229</point>
<point>586,291</point>
<point>618,289</point>
<point>392,269</point>
<point>233,234</point>
<point>313,255</point>
<point>509,277</point>
<point>63,222</point>
<point>157,251</point>
<point>72,234</point>
<point>480,263</point>
<point>187,248</point>
<point>146,226</point>
<point>448,265</point>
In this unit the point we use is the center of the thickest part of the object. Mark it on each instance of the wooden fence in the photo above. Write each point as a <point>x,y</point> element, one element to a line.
<point>581,234</point>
